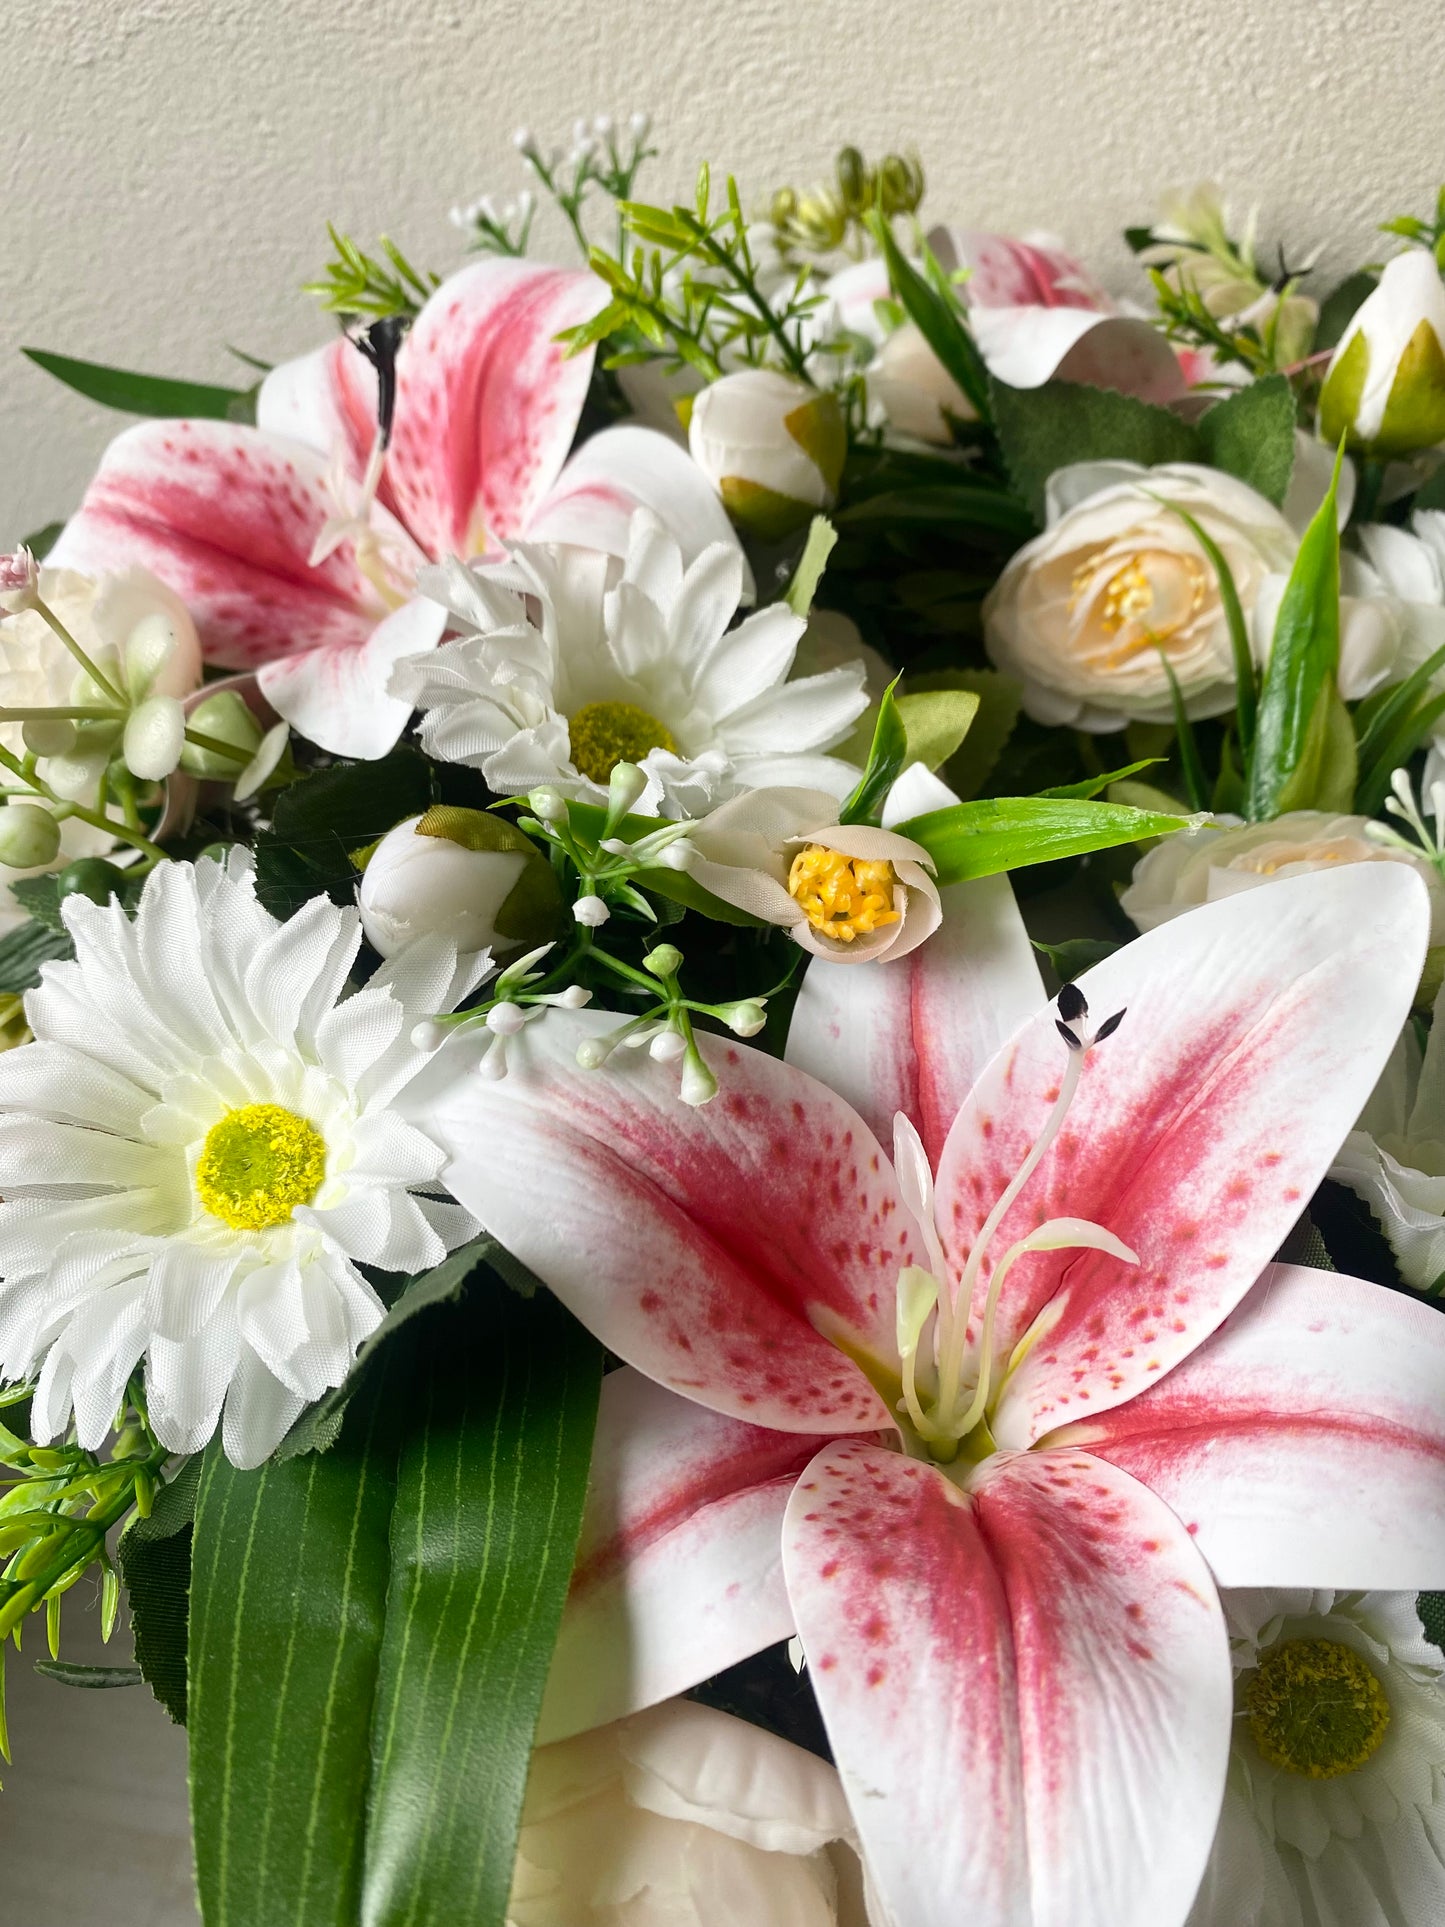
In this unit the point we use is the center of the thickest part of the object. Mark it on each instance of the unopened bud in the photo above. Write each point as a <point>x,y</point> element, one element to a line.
<point>29,837</point>
<point>593,1053</point>
<point>664,961</point>
<point>49,736</point>
<point>591,912</point>
<point>698,1082</point>
<point>548,804</point>
<point>746,1019</point>
<point>505,1020</point>
<point>667,1046</point>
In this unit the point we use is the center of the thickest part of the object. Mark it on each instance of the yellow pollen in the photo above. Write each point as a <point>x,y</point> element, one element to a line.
<point>1316,1708</point>
<point>1146,600</point>
<point>842,896</point>
<point>606,734</point>
<point>258,1164</point>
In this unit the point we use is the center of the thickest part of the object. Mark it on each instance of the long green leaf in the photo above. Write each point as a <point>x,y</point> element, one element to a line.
<point>885,760</point>
<point>1195,785</point>
<point>25,949</point>
<point>1096,785</point>
<point>1303,657</point>
<point>489,1500</point>
<point>938,320</point>
<point>993,834</point>
<point>135,394</point>
<point>1246,674</point>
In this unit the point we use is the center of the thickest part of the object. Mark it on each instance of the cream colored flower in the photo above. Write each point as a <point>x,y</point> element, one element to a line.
<point>1083,615</point>
<point>684,1817</point>
<point>1199,866</point>
<point>849,892</point>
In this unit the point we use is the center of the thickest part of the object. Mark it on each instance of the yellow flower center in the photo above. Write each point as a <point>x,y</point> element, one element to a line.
<point>1145,601</point>
<point>842,896</point>
<point>1315,1708</point>
<point>606,734</point>
<point>258,1164</point>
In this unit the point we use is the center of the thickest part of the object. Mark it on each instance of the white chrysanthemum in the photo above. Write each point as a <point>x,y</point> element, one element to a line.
<point>1334,1813</point>
<point>200,1147</point>
<point>569,669</point>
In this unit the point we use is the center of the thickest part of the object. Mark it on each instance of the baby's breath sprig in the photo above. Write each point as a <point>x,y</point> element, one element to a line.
<point>604,157</point>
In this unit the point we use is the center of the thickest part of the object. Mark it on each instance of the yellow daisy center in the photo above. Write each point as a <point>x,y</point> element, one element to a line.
<point>1316,1708</point>
<point>606,734</point>
<point>257,1164</point>
<point>842,896</point>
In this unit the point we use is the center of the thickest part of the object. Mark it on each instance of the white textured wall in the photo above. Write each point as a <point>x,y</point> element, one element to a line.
<point>167,166</point>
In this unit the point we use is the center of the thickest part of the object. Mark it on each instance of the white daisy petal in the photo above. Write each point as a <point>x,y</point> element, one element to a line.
<point>259,1412</point>
<point>812,713</point>
<point>747,662</point>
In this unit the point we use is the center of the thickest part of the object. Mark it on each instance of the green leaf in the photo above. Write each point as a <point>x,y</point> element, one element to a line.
<point>1337,310</point>
<point>935,722</point>
<point>941,505</point>
<point>137,394</point>
<point>674,886</point>
<point>1246,673</point>
<point>1251,435</point>
<point>489,1500</point>
<point>1303,657</point>
<point>811,563</point>
<point>1431,1608</point>
<point>41,541</point>
<point>1196,787</point>
<point>993,834</point>
<point>25,949</point>
<point>1044,429</point>
<point>1096,785</point>
<point>101,1676</point>
<point>41,897</point>
<point>154,1557</point>
<point>939,320</point>
<point>1073,957</point>
<point>318,822</point>
<point>885,760</point>
<point>999,704</point>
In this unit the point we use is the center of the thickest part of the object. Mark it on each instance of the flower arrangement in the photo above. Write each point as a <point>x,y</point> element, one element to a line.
<point>719,1128</point>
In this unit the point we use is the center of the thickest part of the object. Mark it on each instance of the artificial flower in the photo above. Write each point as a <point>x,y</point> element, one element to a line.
<point>565,670</point>
<point>1015,1642</point>
<point>919,398</point>
<point>200,1148</point>
<point>1221,858</point>
<point>468,876</point>
<point>684,1817</point>
<point>1394,1159</point>
<point>1334,1810</point>
<point>1384,389</point>
<point>1192,245</point>
<point>295,544</point>
<point>771,445</point>
<point>851,892</point>
<point>1085,615</point>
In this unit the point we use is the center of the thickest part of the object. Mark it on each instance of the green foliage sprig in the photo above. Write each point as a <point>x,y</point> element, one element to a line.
<point>354,282</point>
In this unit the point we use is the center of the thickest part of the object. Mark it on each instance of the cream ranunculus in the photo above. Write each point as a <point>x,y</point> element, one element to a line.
<point>1202,865</point>
<point>684,1817</point>
<point>849,892</point>
<point>1084,614</point>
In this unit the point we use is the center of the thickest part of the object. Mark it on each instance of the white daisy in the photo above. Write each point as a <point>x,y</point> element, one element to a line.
<point>565,669</point>
<point>1334,1813</point>
<point>198,1150</point>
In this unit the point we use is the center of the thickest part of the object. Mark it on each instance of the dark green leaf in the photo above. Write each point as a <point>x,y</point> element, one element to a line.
<point>318,822</point>
<point>885,760</point>
<point>41,897</point>
<point>1337,310</point>
<point>154,1557</point>
<point>24,950</point>
<point>1251,435</point>
<point>938,318</point>
<point>1044,429</point>
<point>1431,1608</point>
<point>101,1676</point>
<point>943,505</point>
<point>42,541</point>
<point>1073,957</point>
<point>489,1500</point>
<point>1096,785</point>
<point>1431,495</point>
<point>993,834</point>
<point>1303,657</point>
<point>137,394</point>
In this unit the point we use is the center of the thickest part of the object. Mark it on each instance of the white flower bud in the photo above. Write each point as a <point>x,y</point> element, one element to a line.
<point>667,1046</point>
<point>525,142</point>
<point>591,912</point>
<point>746,1019</point>
<point>53,736</point>
<point>593,1053</point>
<point>772,447</point>
<point>625,786</point>
<point>155,735</point>
<point>19,582</point>
<point>639,126</point>
<point>427,1035</point>
<point>505,1020</point>
<point>676,856</point>
<point>698,1083</point>
<point>547,804</point>
<point>664,961</point>
<point>574,997</point>
<point>1385,386</point>
<point>417,885</point>
<point>29,837</point>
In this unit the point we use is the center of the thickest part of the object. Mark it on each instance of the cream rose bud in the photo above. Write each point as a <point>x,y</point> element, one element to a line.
<point>914,389</point>
<point>685,1816</point>
<point>460,874</point>
<point>1385,385</point>
<point>771,446</point>
<point>1202,865</point>
<point>1084,613</point>
<point>846,891</point>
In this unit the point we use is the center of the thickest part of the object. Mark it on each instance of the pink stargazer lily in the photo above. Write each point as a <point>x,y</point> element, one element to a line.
<point>295,544</point>
<point>992,1522</point>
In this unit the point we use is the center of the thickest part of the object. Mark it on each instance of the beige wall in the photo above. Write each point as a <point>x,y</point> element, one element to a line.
<point>167,166</point>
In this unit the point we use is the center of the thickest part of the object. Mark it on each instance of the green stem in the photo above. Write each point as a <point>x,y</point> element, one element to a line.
<point>744,279</point>
<point>69,712</point>
<point>97,676</point>
<point>107,823</point>
<point>218,748</point>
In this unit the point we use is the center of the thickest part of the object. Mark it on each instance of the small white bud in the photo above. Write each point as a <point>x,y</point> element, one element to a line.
<point>427,1035</point>
<point>625,787</point>
<point>29,837</point>
<point>591,912</point>
<point>525,142</point>
<point>494,1065</point>
<point>19,582</point>
<point>676,856</point>
<point>505,1020</point>
<point>698,1082</point>
<point>667,1046</point>
<point>155,735</point>
<point>53,736</point>
<point>574,997</point>
<point>746,1019</point>
<point>548,804</point>
<point>593,1053</point>
<point>639,126</point>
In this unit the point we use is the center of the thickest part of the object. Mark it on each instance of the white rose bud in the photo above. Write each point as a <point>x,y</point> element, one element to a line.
<point>772,447</point>
<point>914,389</point>
<point>29,837</point>
<point>1385,386</point>
<point>462,874</point>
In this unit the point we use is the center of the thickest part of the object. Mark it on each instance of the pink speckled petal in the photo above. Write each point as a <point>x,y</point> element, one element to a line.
<point>1255,1030</point>
<point>337,697</point>
<point>914,1035</point>
<point>616,473</point>
<point>487,402</point>
<point>226,516</point>
<point>1304,1443</point>
<point>1025,347</point>
<point>1026,1685</point>
<point>1006,272</point>
<point>326,399</point>
<point>707,1247</point>
<point>679,1564</point>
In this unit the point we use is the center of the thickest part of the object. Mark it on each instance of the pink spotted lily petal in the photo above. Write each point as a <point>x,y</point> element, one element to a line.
<point>711,1248</point>
<point>1254,1032</point>
<point>1304,1443</point>
<point>338,698</point>
<point>1026,1685</point>
<point>679,1564</point>
<point>1018,271</point>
